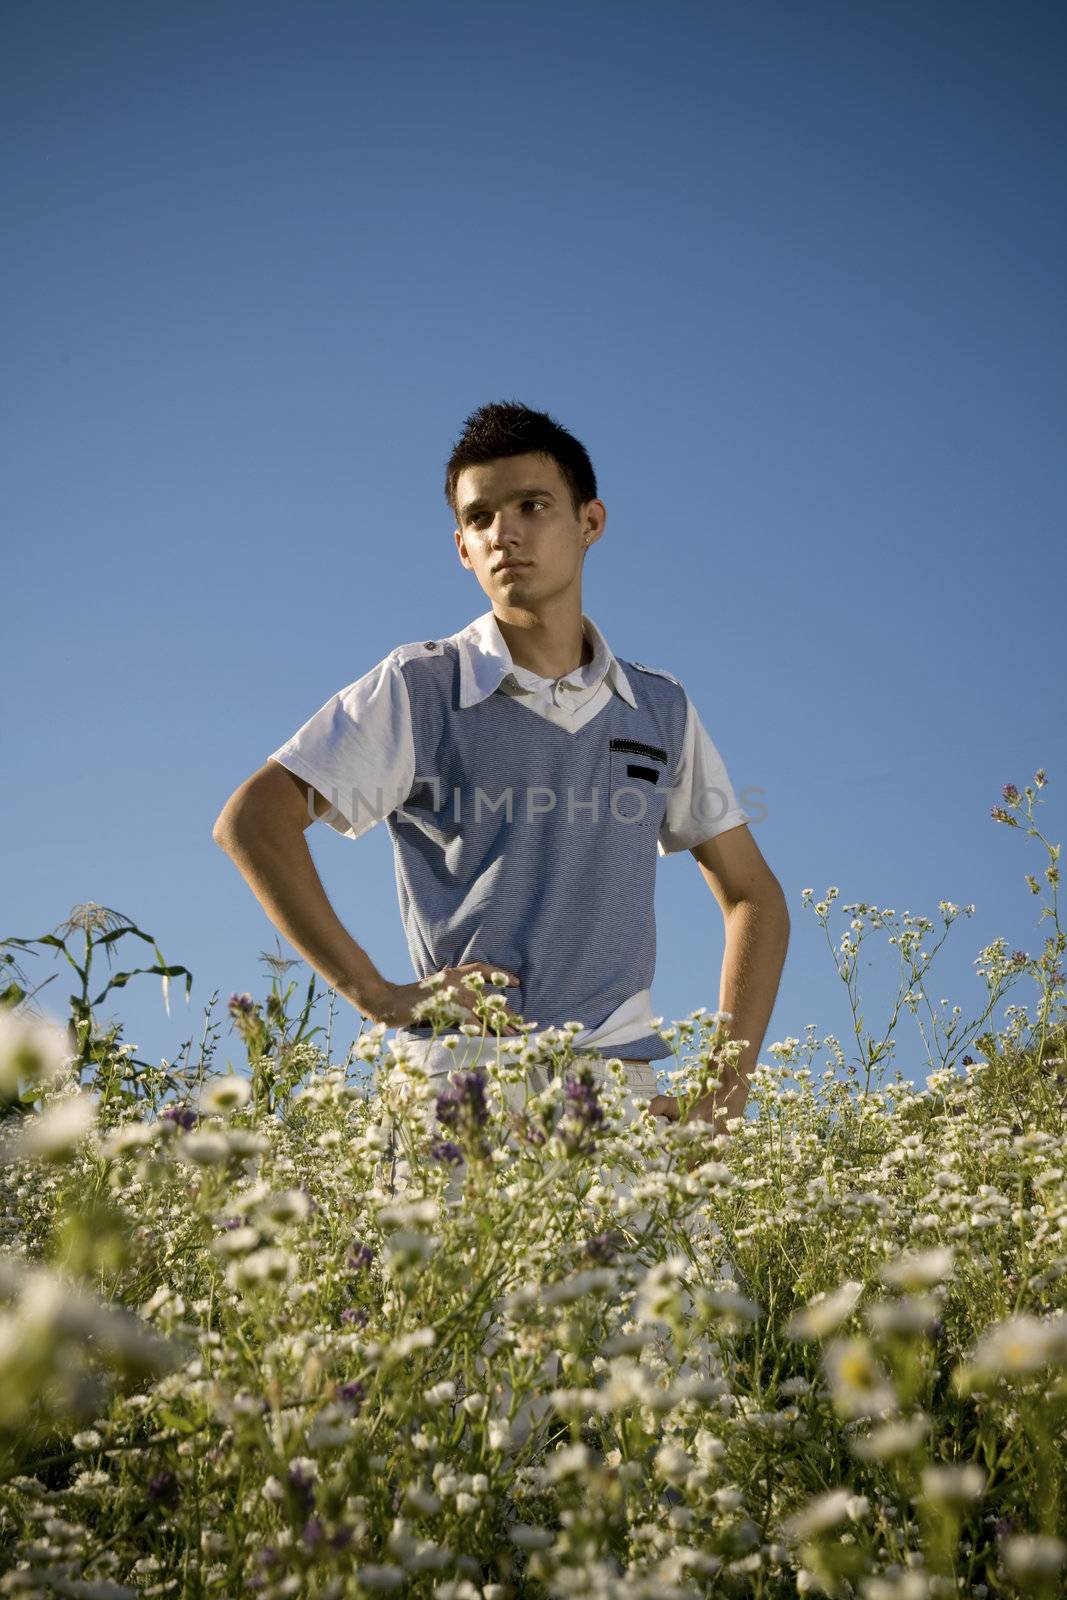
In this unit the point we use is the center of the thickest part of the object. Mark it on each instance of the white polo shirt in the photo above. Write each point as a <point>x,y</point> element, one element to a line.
<point>360,747</point>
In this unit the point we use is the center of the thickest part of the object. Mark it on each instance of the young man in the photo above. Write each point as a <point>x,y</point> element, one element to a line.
<point>529,780</point>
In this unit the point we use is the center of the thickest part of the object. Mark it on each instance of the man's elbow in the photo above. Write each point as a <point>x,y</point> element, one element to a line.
<point>775,913</point>
<point>767,898</point>
<point>781,917</point>
<point>776,896</point>
<point>225,829</point>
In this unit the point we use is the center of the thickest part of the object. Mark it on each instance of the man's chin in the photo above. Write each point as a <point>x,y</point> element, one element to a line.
<point>509,585</point>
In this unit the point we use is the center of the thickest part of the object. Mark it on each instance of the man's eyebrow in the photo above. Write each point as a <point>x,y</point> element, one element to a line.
<point>518,494</point>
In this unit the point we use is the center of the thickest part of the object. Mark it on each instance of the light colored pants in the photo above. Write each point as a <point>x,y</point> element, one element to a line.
<point>641,1084</point>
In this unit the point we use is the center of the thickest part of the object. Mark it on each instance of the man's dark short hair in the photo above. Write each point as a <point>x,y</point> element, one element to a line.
<point>508,428</point>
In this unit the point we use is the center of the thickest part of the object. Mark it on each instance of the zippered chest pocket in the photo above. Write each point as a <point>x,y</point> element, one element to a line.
<point>639,780</point>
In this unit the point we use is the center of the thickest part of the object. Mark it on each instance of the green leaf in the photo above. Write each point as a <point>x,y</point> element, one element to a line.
<point>173,1420</point>
<point>49,938</point>
<point>121,979</point>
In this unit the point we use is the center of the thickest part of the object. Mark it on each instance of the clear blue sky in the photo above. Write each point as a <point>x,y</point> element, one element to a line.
<point>794,275</point>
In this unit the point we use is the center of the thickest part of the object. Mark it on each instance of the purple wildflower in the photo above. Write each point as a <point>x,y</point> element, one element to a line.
<point>1019,958</point>
<point>359,1256</point>
<point>583,1112</point>
<point>524,1128</point>
<point>462,1108</point>
<point>463,1099</point>
<point>353,1316</point>
<point>342,1537</point>
<point>999,814</point>
<point>241,1004</point>
<point>1011,794</point>
<point>445,1150</point>
<point>312,1532</point>
<point>1040,777</point>
<point>354,1392</point>
<point>163,1488</point>
<point>601,1247</point>
<point>182,1116</point>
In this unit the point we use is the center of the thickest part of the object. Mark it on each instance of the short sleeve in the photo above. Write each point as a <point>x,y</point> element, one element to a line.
<point>357,750</point>
<point>700,802</point>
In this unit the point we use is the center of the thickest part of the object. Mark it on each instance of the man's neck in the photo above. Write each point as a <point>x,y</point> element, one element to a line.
<point>549,645</point>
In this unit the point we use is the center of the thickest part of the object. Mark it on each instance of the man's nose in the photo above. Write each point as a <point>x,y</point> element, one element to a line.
<point>504,529</point>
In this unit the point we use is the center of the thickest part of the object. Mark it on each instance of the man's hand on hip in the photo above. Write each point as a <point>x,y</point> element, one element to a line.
<point>395,1003</point>
<point>664,1105</point>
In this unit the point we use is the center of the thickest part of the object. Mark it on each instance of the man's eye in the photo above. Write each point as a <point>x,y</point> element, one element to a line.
<point>479,516</point>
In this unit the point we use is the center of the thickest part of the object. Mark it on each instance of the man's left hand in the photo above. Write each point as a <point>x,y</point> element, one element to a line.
<point>664,1105</point>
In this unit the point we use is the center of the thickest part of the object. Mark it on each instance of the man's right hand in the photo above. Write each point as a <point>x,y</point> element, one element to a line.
<point>396,1002</point>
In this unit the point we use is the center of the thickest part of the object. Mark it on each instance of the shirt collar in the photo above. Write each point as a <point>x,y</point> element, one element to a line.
<point>485,661</point>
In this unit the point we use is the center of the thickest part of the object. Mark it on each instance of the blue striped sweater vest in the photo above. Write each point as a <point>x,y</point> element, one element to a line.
<point>534,848</point>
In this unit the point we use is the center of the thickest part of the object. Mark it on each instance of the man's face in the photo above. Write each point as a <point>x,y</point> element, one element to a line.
<point>518,510</point>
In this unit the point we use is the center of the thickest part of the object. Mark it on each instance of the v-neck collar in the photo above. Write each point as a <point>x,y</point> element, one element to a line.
<point>568,733</point>
<point>485,661</point>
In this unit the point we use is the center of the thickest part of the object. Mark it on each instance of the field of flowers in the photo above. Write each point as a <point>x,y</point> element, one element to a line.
<point>320,1329</point>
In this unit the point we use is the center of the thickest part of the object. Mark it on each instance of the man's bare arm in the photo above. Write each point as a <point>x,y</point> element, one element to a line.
<point>756,922</point>
<point>261,828</point>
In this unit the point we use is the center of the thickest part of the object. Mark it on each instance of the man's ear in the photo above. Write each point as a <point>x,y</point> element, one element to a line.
<point>462,549</point>
<point>596,516</point>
